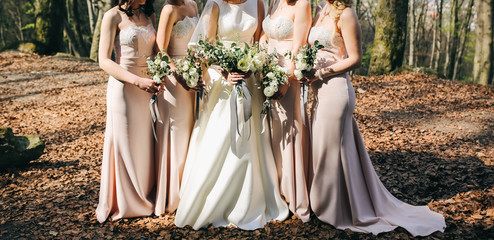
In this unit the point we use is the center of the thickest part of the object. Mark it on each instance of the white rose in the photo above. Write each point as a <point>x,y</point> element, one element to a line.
<point>270,75</point>
<point>191,83</point>
<point>163,64</point>
<point>157,61</point>
<point>298,74</point>
<point>305,66</point>
<point>269,91</point>
<point>298,65</point>
<point>283,69</point>
<point>192,71</point>
<point>185,68</point>
<point>195,76</point>
<point>185,76</point>
<point>273,84</point>
<point>157,79</point>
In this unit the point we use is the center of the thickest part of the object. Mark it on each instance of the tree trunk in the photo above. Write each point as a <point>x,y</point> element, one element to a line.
<point>103,7</point>
<point>433,50</point>
<point>390,36</point>
<point>90,10</point>
<point>411,49</point>
<point>483,69</point>
<point>455,41</point>
<point>49,27</point>
<point>439,32</point>
<point>77,22</point>
<point>464,30</point>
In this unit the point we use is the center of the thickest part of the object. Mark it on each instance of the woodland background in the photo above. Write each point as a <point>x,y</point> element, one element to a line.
<point>430,139</point>
<point>449,38</point>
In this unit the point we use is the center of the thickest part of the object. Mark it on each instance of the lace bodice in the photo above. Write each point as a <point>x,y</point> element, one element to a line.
<point>279,28</point>
<point>180,36</point>
<point>134,44</point>
<point>334,47</point>
<point>237,22</point>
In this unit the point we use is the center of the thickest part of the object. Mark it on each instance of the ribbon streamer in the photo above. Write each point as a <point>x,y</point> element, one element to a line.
<point>155,114</point>
<point>247,111</point>
<point>304,92</point>
<point>198,98</point>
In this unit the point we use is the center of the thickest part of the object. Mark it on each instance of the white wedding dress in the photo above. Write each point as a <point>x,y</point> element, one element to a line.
<point>220,186</point>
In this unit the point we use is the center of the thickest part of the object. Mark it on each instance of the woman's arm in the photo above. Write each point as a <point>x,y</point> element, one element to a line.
<point>302,22</point>
<point>213,23</point>
<point>352,37</point>
<point>165,27</point>
<point>109,27</point>
<point>260,18</point>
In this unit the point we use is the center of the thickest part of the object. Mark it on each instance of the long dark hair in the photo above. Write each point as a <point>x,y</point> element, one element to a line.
<point>147,8</point>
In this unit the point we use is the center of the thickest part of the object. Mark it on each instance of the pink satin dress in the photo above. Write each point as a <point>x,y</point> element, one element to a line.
<point>176,106</point>
<point>345,190</point>
<point>289,124</point>
<point>128,172</point>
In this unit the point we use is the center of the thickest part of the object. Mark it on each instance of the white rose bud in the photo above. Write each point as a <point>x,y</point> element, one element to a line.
<point>163,64</point>
<point>270,75</point>
<point>298,74</point>
<point>157,79</point>
<point>269,91</point>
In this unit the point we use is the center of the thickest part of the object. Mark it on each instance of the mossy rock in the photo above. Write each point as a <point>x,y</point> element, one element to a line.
<point>18,151</point>
<point>27,47</point>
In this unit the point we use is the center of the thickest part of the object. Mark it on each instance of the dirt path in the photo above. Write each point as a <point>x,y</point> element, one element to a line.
<point>431,142</point>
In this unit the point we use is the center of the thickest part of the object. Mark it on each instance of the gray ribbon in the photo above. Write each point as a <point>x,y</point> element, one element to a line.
<point>155,114</point>
<point>241,88</point>
<point>198,98</point>
<point>304,92</point>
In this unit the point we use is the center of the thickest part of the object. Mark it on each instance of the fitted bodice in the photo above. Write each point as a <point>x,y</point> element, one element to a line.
<point>181,33</point>
<point>237,22</point>
<point>133,45</point>
<point>334,48</point>
<point>279,28</point>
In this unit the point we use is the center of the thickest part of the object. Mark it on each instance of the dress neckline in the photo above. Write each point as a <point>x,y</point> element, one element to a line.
<point>186,17</point>
<point>279,16</point>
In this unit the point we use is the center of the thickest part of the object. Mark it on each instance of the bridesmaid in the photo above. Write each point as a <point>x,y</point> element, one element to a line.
<point>177,23</point>
<point>286,28</point>
<point>346,191</point>
<point>127,174</point>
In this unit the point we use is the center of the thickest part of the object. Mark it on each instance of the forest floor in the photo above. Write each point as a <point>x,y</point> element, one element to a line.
<point>431,142</point>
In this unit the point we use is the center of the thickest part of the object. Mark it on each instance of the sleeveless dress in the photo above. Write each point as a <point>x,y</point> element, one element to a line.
<point>290,132</point>
<point>346,191</point>
<point>220,187</point>
<point>127,175</point>
<point>176,107</point>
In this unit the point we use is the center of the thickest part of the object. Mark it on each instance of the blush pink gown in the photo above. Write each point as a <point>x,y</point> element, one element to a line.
<point>176,107</point>
<point>346,191</point>
<point>290,132</point>
<point>127,176</point>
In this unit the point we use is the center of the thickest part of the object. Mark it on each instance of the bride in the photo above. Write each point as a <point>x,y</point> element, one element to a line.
<point>221,186</point>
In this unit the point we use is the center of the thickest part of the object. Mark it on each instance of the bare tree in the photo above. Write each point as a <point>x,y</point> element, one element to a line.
<point>483,70</point>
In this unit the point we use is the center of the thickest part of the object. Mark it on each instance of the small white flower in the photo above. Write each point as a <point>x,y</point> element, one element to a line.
<point>298,74</point>
<point>195,76</point>
<point>185,67</point>
<point>157,79</point>
<point>299,56</point>
<point>269,91</point>
<point>157,61</point>
<point>270,75</point>
<point>192,71</point>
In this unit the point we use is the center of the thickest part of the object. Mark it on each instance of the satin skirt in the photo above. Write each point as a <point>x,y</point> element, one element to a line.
<point>128,170</point>
<point>290,141</point>
<point>176,108</point>
<point>221,187</point>
<point>345,190</point>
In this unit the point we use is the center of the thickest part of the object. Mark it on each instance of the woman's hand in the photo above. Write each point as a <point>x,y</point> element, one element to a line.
<point>311,76</point>
<point>234,77</point>
<point>147,85</point>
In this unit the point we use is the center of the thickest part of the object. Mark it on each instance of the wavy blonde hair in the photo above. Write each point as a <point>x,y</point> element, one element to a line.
<point>338,6</point>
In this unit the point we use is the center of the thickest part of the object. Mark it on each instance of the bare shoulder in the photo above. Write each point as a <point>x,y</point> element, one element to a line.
<point>302,4</point>
<point>113,15</point>
<point>348,14</point>
<point>191,3</point>
<point>167,10</point>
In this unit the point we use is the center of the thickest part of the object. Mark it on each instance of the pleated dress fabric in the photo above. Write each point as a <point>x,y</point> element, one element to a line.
<point>345,190</point>
<point>128,169</point>
<point>289,126</point>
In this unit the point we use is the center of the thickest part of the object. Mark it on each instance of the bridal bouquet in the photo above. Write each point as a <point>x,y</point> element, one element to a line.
<point>158,67</point>
<point>304,60</point>
<point>273,75</point>
<point>190,68</point>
